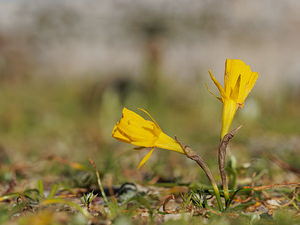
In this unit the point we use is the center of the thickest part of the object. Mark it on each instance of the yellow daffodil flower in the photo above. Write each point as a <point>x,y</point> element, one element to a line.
<point>134,129</point>
<point>238,82</point>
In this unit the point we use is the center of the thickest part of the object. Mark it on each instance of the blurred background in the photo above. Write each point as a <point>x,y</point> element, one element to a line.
<point>67,67</point>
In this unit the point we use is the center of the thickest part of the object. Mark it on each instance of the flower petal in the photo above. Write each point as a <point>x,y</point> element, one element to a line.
<point>144,160</point>
<point>221,90</point>
<point>128,114</point>
<point>149,116</point>
<point>121,136</point>
<point>138,137</point>
<point>233,69</point>
<point>252,81</point>
<point>220,99</point>
<point>134,129</point>
<point>236,90</point>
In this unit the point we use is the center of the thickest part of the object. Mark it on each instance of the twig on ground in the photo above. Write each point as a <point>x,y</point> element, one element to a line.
<point>61,160</point>
<point>171,197</point>
<point>297,191</point>
<point>252,191</point>
<point>284,165</point>
<point>272,186</point>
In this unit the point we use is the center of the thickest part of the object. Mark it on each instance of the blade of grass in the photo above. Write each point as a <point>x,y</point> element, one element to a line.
<point>41,188</point>
<point>53,191</point>
<point>9,196</point>
<point>99,182</point>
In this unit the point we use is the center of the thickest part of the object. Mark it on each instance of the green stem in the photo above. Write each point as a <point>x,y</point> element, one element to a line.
<point>218,197</point>
<point>226,195</point>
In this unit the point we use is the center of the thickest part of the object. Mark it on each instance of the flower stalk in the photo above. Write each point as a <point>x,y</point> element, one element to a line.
<point>221,159</point>
<point>191,154</point>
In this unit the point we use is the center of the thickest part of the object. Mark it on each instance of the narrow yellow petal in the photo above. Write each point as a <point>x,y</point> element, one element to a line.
<point>146,158</point>
<point>221,90</point>
<point>220,99</point>
<point>226,74</point>
<point>150,117</point>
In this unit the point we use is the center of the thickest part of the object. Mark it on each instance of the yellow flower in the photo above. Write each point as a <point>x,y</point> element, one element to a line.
<point>238,82</point>
<point>135,130</point>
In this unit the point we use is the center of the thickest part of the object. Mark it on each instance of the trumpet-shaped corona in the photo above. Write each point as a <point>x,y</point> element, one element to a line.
<point>238,82</point>
<point>134,129</point>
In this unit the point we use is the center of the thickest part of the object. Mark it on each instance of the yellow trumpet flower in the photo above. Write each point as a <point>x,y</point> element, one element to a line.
<point>134,129</point>
<point>238,82</point>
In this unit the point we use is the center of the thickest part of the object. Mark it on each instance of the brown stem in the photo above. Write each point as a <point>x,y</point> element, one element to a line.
<point>191,154</point>
<point>222,157</point>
